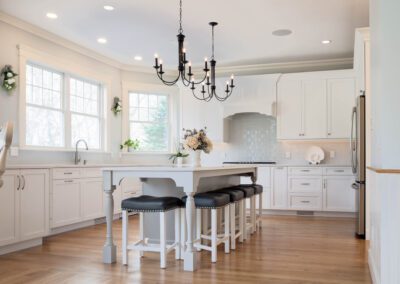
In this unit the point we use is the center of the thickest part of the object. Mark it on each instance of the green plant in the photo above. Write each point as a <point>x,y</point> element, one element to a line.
<point>9,80</point>
<point>133,144</point>
<point>179,154</point>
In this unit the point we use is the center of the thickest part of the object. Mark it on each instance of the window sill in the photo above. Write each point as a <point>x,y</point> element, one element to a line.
<point>81,150</point>
<point>143,153</point>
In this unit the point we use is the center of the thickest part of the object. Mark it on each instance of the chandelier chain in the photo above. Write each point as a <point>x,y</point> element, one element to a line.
<point>212,43</point>
<point>180,17</point>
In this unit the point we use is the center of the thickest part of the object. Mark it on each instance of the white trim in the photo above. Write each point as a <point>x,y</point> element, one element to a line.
<point>372,268</point>
<point>21,246</point>
<point>171,91</point>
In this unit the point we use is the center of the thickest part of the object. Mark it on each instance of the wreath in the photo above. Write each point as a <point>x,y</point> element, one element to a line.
<point>9,81</point>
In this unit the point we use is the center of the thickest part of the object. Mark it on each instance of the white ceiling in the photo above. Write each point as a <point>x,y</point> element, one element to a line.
<point>243,36</point>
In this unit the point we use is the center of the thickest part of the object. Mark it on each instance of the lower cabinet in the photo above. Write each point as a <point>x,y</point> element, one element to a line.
<point>338,194</point>
<point>279,191</point>
<point>65,204</point>
<point>92,198</point>
<point>24,209</point>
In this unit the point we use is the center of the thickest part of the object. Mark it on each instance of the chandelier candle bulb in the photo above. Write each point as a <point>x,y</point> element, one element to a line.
<point>232,81</point>
<point>205,64</point>
<point>156,59</point>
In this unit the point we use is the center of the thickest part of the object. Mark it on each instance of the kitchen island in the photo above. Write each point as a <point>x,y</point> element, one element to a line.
<point>186,178</point>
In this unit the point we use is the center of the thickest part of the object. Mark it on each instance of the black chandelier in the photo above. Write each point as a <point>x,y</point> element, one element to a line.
<point>208,87</point>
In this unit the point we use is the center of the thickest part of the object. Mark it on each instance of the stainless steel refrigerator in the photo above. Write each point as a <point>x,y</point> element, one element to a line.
<point>357,144</point>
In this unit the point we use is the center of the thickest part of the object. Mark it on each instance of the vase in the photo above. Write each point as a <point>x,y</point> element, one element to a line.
<point>196,158</point>
<point>179,161</point>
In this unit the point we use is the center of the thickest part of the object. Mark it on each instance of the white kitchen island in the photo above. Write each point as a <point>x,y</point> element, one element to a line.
<point>190,179</point>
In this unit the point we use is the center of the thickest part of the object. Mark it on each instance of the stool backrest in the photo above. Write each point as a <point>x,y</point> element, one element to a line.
<point>6,135</point>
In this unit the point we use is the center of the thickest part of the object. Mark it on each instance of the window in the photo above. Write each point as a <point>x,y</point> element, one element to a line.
<point>61,109</point>
<point>149,121</point>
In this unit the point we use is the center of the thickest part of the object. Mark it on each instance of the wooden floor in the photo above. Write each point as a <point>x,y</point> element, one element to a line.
<point>286,250</point>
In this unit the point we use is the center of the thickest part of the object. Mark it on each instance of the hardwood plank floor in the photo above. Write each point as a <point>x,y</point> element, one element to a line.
<point>288,249</point>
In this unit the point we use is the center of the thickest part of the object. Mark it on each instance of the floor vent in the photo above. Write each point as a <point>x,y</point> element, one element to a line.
<point>305,213</point>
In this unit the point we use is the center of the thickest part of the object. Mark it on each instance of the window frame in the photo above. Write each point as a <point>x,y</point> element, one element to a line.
<point>171,93</point>
<point>67,70</point>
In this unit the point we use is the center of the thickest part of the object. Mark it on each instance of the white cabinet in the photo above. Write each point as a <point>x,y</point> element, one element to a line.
<point>341,99</point>
<point>279,191</point>
<point>315,105</point>
<point>24,205</point>
<point>78,198</point>
<point>338,194</point>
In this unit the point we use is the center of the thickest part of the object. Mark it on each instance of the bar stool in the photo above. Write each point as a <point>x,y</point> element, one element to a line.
<point>248,191</point>
<point>236,198</point>
<point>146,203</point>
<point>212,201</point>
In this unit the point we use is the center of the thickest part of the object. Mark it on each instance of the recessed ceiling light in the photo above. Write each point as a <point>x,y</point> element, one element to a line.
<point>51,15</point>
<point>102,40</point>
<point>138,58</point>
<point>326,41</point>
<point>108,8</point>
<point>282,32</point>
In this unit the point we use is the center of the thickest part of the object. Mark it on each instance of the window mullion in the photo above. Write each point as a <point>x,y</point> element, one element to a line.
<point>67,112</point>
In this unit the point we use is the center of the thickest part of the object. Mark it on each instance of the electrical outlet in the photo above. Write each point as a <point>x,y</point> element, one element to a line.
<point>288,155</point>
<point>332,154</point>
<point>14,151</point>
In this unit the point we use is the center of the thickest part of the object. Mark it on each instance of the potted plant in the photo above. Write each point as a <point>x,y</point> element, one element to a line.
<point>130,144</point>
<point>197,141</point>
<point>178,156</point>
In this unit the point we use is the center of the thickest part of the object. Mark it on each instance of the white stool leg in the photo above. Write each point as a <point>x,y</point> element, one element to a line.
<point>183,232</point>
<point>245,219</point>
<point>214,228</point>
<point>141,232</point>
<point>253,213</point>
<point>232,214</point>
<point>124,237</point>
<point>177,213</point>
<point>204,221</point>
<point>163,241</point>
<point>241,225</point>
<point>226,227</point>
<point>198,226</point>
<point>260,206</point>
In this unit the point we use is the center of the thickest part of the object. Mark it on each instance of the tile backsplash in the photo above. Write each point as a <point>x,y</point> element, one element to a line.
<point>252,137</point>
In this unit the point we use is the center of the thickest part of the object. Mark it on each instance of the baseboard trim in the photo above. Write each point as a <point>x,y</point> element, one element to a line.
<point>311,213</point>
<point>21,246</point>
<point>372,269</point>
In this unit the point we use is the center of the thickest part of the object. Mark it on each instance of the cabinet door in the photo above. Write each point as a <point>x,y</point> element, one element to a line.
<point>341,99</point>
<point>338,194</point>
<point>92,198</point>
<point>279,194</point>
<point>289,109</point>
<point>34,203</point>
<point>66,200</point>
<point>9,208</point>
<point>314,109</point>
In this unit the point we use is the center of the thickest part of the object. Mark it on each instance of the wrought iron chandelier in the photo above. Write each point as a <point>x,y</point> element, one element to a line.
<point>208,87</point>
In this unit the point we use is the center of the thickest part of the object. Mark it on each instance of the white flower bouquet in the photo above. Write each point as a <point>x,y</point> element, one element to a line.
<point>197,140</point>
<point>9,81</point>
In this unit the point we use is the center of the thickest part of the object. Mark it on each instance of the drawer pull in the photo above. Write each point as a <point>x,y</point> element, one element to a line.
<point>69,173</point>
<point>339,171</point>
<point>306,171</point>
<point>305,201</point>
<point>68,180</point>
<point>305,184</point>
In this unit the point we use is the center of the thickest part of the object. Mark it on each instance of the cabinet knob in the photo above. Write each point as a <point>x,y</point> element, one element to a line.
<point>305,201</point>
<point>305,184</point>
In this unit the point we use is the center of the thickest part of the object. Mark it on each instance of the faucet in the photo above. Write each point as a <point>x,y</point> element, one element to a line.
<point>77,156</point>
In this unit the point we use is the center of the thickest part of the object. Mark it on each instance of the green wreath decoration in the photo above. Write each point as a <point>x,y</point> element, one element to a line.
<point>9,81</point>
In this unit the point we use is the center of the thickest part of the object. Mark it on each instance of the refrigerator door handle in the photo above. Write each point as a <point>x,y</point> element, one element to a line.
<point>355,186</point>
<point>353,143</point>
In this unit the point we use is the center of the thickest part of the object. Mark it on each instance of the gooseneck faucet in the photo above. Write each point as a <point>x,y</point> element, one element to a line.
<point>77,156</point>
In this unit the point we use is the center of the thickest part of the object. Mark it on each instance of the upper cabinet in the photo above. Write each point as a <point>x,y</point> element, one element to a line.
<point>315,105</point>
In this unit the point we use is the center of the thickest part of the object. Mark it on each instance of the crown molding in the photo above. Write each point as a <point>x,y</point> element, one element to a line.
<point>39,32</point>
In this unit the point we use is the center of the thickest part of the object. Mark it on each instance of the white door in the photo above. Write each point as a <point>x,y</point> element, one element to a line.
<point>341,99</point>
<point>279,193</point>
<point>9,207</point>
<point>66,202</point>
<point>289,109</point>
<point>338,194</point>
<point>34,193</point>
<point>92,198</point>
<point>314,108</point>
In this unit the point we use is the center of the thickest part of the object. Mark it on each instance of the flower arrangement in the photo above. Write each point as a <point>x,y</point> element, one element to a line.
<point>197,140</point>
<point>178,154</point>
<point>9,81</point>
<point>130,144</point>
<point>117,106</point>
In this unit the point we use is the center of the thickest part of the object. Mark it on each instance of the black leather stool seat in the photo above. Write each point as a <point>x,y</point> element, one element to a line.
<point>210,200</point>
<point>257,188</point>
<point>247,189</point>
<point>147,203</point>
<point>235,194</point>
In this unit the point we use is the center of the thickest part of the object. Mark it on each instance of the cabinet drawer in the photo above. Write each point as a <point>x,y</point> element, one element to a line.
<point>66,173</point>
<point>92,172</point>
<point>300,184</point>
<point>306,171</point>
<point>304,202</point>
<point>338,171</point>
